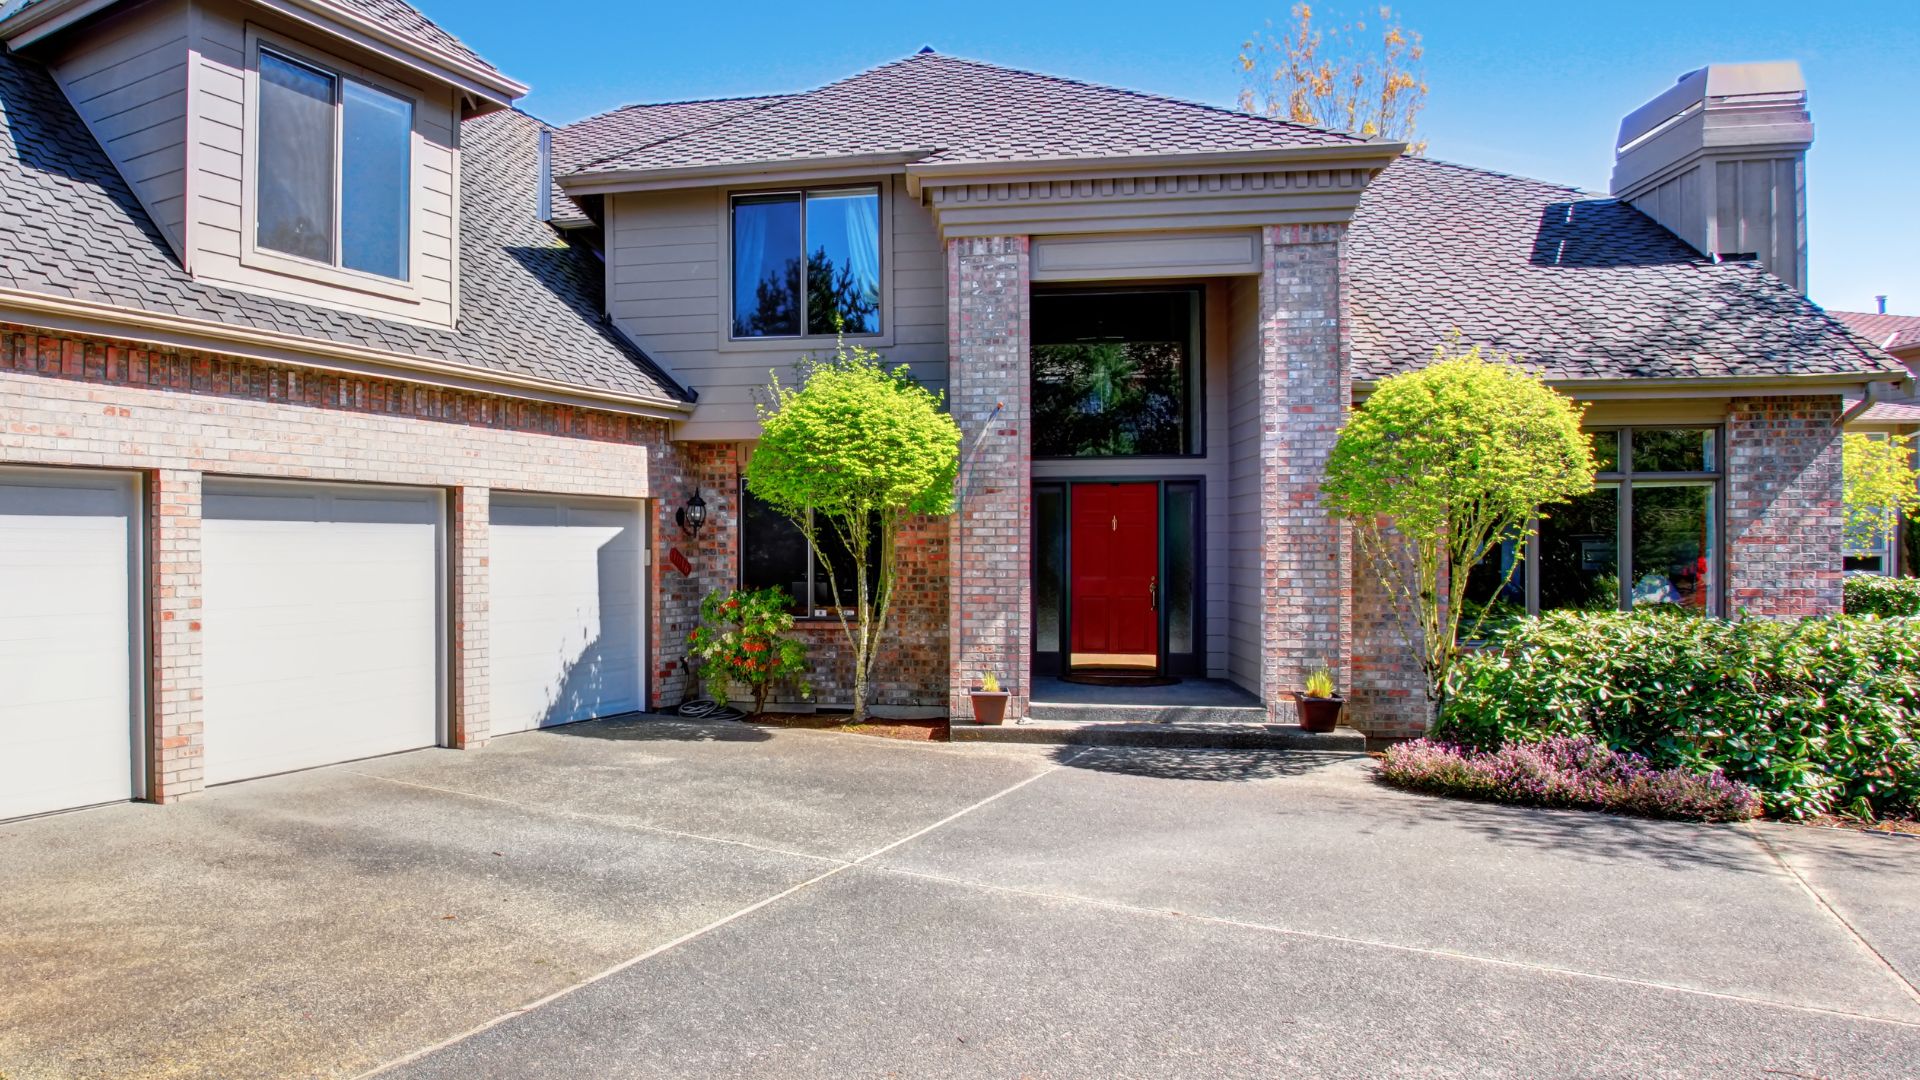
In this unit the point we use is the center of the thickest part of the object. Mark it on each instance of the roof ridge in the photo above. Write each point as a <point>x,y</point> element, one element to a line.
<point>650,143</point>
<point>666,104</point>
<point>1129,92</point>
<point>1483,171</point>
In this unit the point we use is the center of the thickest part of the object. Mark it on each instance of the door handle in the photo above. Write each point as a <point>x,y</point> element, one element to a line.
<point>1153,593</point>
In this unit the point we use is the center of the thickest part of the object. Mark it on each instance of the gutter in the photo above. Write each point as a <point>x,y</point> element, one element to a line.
<point>51,16</point>
<point>1867,401</point>
<point>685,176</point>
<point>272,346</point>
<point>1363,155</point>
<point>1704,384</point>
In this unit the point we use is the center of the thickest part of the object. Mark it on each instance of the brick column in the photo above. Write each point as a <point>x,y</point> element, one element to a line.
<point>1784,516</point>
<point>989,592</point>
<point>470,700</point>
<point>177,766</point>
<point>1306,388</point>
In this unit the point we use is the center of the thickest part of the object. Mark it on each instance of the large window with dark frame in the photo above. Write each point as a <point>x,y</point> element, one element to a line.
<point>1648,533</point>
<point>334,173</point>
<point>806,262</point>
<point>1115,373</point>
<point>774,554</point>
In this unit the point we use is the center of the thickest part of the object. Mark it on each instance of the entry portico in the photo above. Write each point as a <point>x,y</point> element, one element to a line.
<point>1249,577</point>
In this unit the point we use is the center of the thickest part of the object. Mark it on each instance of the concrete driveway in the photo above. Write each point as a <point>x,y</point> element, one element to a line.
<point>653,898</point>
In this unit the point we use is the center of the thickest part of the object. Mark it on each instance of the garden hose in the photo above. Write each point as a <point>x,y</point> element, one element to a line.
<point>708,709</point>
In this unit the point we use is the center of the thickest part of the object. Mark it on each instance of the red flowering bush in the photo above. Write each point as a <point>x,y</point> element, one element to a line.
<point>1575,772</point>
<point>741,641</point>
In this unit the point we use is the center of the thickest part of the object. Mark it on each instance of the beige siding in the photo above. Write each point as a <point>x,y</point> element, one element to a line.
<point>128,81</point>
<point>217,176</point>
<point>1245,526</point>
<point>667,289</point>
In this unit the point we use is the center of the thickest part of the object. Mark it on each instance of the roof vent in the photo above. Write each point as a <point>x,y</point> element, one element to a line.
<point>1720,159</point>
<point>924,50</point>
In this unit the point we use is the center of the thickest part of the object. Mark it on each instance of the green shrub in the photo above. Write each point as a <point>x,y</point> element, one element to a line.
<point>742,640</point>
<point>1871,594</point>
<point>1818,715</point>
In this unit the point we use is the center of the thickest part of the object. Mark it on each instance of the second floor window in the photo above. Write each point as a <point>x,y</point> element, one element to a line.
<point>335,169</point>
<point>806,263</point>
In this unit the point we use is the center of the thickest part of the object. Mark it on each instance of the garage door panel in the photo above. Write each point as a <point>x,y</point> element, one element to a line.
<point>565,610</point>
<point>67,639</point>
<point>322,625</point>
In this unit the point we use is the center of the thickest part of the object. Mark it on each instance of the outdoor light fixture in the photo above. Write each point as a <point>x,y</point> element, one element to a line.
<point>693,515</point>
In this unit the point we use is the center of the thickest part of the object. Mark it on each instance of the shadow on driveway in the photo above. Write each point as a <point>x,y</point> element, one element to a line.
<point>1225,766</point>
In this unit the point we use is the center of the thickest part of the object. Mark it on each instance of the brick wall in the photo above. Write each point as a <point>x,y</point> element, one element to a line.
<point>1389,697</point>
<point>989,328</point>
<point>1305,392</point>
<point>179,416</point>
<point>1783,505</point>
<point>912,666</point>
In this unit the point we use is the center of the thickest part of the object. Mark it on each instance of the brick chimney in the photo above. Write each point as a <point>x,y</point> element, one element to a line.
<point>1720,159</point>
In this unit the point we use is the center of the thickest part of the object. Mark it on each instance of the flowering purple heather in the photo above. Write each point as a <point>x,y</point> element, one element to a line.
<point>1575,772</point>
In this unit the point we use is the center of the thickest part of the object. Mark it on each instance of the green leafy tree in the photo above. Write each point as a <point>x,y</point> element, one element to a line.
<point>1879,485</point>
<point>852,453</point>
<point>1440,467</point>
<point>742,639</point>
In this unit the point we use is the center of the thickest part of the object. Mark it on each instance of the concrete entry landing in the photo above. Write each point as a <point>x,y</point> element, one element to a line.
<point>1194,713</point>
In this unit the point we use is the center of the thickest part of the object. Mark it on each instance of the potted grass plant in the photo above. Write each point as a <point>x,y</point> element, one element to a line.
<point>989,702</point>
<point>1319,704</point>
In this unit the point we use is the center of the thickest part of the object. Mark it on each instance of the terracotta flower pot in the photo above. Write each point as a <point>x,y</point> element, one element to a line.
<point>989,708</point>
<point>1318,714</point>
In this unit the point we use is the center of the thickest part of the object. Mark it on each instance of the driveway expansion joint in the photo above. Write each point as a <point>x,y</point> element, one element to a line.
<point>700,932</point>
<point>1858,938</point>
<point>1370,943</point>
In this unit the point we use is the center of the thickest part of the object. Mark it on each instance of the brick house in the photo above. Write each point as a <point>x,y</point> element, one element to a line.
<point>345,409</point>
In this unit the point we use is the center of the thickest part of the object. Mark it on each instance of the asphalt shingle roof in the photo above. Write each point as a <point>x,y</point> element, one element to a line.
<point>945,109</point>
<point>530,304</point>
<point>1582,286</point>
<point>1894,333</point>
<point>631,126</point>
<point>396,15</point>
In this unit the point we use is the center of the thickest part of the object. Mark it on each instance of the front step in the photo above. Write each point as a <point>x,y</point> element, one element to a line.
<point>1213,735</point>
<point>1088,713</point>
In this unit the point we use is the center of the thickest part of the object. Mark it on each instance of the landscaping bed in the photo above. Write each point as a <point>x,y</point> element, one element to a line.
<point>911,730</point>
<point>1820,717</point>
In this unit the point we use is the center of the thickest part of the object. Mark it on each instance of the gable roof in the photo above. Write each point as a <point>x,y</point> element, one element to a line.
<point>530,304</point>
<point>631,126</point>
<point>406,20</point>
<point>1581,286</point>
<point>1894,333</point>
<point>943,109</point>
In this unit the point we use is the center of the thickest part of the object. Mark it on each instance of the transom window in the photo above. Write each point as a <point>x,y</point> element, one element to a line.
<point>1114,373</point>
<point>806,262</point>
<point>1649,533</point>
<point>334,173</point>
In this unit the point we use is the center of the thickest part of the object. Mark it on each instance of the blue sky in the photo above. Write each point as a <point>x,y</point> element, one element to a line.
<point>1530,88</point>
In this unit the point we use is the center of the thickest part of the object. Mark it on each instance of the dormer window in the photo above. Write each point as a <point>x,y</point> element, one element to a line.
<point>334,171</point>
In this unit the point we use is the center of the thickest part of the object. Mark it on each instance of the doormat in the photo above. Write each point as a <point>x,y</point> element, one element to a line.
<point>1116,678</point>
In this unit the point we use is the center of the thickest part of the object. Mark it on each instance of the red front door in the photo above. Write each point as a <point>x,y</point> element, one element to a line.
<point>1116,567</point>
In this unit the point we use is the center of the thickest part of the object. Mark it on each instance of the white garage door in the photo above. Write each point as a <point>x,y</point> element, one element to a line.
<point>67,645</point>
<point>565,618</point>
<point>321,624</point>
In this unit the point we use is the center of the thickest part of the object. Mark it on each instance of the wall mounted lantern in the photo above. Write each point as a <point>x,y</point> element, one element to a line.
<point>693,515</point>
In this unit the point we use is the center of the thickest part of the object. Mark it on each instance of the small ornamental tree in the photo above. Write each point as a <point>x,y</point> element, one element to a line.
<point>1440,467</point>
<point>852,453</point>
<point>1878,485</point>
<point>742,639</point>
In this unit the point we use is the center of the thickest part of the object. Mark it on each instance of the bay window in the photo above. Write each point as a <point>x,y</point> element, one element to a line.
<point>1648,533</point>
<point>806,263</point>
<point>333,174</point>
